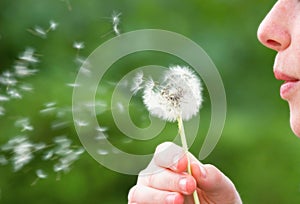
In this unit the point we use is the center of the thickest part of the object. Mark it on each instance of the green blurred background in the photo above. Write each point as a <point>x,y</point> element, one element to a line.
<point>257,150</point>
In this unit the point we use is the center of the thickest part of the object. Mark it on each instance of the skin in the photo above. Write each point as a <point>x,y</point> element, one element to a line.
<point>280,32</point>
<point>165,179</point>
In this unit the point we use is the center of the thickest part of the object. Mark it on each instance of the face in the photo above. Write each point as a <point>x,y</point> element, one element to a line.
<point>280,31</point>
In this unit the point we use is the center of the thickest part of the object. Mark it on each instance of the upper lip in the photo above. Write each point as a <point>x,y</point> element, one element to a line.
<point>282,76</point>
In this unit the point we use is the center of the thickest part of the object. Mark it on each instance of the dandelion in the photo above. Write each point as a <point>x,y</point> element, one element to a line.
<point>3,98</point>
<point>24,123</point>
<point>177,97</point>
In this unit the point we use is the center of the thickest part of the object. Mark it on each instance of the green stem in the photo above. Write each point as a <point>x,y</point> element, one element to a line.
<point>186,150</point>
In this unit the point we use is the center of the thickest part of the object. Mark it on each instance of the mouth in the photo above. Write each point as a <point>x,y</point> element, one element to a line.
<point>289,85</point>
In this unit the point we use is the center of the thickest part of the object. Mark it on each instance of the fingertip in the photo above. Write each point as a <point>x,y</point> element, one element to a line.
<point>180,163</point>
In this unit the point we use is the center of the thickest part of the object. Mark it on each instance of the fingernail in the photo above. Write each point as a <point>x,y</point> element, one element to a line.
<point>171,198</point>
<point>183,185</point>
<point>202,171</point>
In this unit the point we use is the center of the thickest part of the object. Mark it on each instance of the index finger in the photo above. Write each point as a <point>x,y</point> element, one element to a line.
<point>171,156</point>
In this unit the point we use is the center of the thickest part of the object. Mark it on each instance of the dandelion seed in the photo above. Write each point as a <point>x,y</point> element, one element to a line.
<point>13,93</point>
<point>7,74</point>
<point>48,155</point>
<point>73,85</point>
<point>53,25</point>
<point>3,98</point>
<point>28,56</point>
<point>41,174</point>
<point>26,87</point>
<point>59,125</point>
<point>22,70</point>
<point>81,123</point>
<point>78,45</point>
<point>102,152</point>
<point>101,129</point>
<point>8,81</point>
<point>38,31</point>
<point>24,123</point>
<point>22,151</point>
<point>115,22</point>
<point>137,83</point>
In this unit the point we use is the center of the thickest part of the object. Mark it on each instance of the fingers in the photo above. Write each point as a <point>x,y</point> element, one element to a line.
<point>169,155</point>
<point>140,194</point>
<point>169,181</point>
<point>214,183</point>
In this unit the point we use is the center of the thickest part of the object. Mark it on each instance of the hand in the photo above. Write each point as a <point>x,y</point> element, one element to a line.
<point>165,181</point>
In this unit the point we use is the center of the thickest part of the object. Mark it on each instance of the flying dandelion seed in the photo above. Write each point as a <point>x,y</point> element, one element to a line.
<point>102,152</point>
<point>101,129</point>
<point>137,83</point>
<point>38,31</point>
<point>53,25</point>
<point>28,56</point>
<point>3,98</point>
<point>41,174</point>
<point>115,22</point>
<point>24,123</point>
<point>78,45</point>
<point>73,85</point>
<point>14,93</point>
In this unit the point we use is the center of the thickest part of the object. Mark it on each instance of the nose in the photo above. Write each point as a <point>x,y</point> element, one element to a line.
<point>273,31</point>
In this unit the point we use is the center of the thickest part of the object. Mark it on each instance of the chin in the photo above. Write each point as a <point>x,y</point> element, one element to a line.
<point>295,124</point>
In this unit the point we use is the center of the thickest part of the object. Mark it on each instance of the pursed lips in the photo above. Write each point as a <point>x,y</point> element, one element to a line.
<point>289,84</point>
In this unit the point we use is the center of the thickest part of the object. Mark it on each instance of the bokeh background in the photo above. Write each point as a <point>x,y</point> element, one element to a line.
<point>257,150</point>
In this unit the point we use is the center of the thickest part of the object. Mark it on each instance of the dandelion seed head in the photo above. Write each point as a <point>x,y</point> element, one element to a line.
<point>179,94</point>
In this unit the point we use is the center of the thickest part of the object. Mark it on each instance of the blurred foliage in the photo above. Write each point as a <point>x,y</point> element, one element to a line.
<point>257,150</point>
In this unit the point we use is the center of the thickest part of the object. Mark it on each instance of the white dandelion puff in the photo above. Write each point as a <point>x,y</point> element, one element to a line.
<point>137,83</point>
<point>14,93</point>
<point>39,32</point>
<point>102,152</point>
<point>179,94</point>
<point>24,123</point>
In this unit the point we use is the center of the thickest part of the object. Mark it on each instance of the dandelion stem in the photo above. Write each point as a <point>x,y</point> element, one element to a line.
<point>185,148</point>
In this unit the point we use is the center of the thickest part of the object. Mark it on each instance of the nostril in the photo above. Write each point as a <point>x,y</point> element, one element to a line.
<point>273,43</point>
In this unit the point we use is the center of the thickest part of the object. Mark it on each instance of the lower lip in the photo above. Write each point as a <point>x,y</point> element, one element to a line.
<point>287,88</point>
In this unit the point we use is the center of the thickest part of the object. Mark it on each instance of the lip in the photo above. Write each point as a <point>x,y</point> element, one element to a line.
<point>289,85</point>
